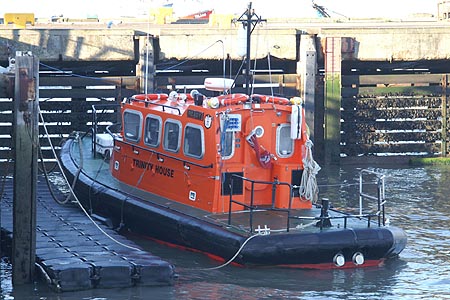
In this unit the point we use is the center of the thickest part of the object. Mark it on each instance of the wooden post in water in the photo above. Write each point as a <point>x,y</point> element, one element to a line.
<point>145,69</point>
<point>25,140</point>
<point>332,114</point>
<point>444,116</point>
<point>306,68</point>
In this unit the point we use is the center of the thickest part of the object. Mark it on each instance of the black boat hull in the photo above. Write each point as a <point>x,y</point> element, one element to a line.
<point>299,249</point>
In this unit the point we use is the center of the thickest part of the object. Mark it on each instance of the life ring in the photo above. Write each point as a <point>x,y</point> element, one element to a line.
<point>232,99</point>
<point>271,99</point>
<point>144,97</point>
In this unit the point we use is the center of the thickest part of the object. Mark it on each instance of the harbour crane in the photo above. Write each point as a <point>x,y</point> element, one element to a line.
<point>323,11</point>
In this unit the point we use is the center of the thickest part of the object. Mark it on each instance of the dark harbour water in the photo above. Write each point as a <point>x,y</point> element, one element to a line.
<point>418,201</point>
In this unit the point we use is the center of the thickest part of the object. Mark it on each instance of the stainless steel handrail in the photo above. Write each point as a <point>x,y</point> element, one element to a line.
<point>380,197</point>
<point>251,206</point>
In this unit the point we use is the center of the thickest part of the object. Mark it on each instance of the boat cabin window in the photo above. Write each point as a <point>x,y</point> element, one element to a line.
<point>193,141</point>
<point>152,131</point>
<point>285,145</point>
<point>172,129</point>
<point>227,144</point>
<point>132,125</point>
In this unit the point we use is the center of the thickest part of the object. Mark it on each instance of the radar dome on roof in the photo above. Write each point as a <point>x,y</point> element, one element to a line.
<point>218,84</point>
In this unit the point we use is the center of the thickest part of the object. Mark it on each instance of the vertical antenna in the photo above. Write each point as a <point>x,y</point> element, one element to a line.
<point>249,20</point>
<point>146,56</point>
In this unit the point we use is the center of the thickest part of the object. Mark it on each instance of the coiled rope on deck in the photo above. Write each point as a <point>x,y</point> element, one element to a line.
<point>308,184</point>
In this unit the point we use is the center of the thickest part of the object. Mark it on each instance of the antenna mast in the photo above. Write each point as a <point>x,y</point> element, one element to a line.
<point>249,20</point>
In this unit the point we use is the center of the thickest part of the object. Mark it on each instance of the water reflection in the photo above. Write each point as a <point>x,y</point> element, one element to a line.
<point>248,284</point>
<point>277,283</point>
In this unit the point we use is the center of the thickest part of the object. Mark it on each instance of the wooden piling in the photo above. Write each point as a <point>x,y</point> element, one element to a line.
<point>25,140</point>
<point>444,116</point>
<point>332,114</point>
<point>145,69</point>
<point>306,68</point>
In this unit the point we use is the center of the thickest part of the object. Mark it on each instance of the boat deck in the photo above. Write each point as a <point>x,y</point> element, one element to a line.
<point>73,254</point>
<point>97,168</point>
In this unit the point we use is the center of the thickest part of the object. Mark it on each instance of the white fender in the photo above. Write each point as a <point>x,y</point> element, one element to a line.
<point>296,122</point>
<point>173,96</point>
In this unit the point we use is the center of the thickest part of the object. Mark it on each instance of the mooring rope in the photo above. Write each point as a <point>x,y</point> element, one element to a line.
<point>47,277</point>
<point>80,167</point>
<point>47,180</point>
<point>234,256</point>
<point>75,196</point>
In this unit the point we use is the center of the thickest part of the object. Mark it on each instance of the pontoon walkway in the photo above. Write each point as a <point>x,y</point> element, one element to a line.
<point>73,254</point>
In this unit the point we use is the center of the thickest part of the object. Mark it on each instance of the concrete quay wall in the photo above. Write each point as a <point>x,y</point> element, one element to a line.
<point>377,41</point>
<point>68,44</point>
<point>396,43</point>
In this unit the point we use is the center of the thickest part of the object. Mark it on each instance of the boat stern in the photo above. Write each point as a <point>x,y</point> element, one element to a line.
<point>399,241</point>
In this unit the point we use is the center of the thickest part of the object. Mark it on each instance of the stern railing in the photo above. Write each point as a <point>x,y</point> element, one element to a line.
<point>380,196</point>
<point>324,220</point>
<point>379,213</point>
<point>251,207</point>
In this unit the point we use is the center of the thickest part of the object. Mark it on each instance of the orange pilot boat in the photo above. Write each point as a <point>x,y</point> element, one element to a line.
<point>231,176</point>
<point>192,153</point>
